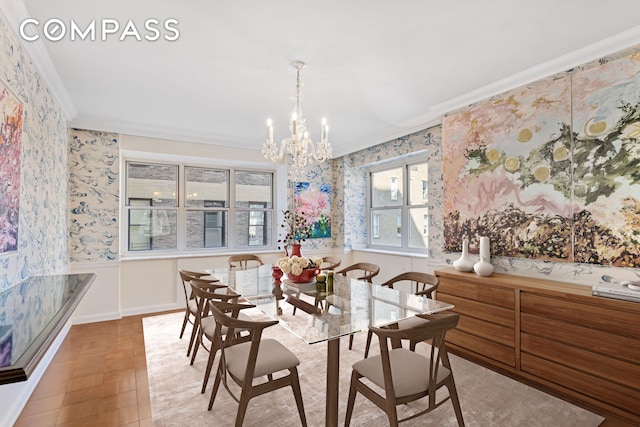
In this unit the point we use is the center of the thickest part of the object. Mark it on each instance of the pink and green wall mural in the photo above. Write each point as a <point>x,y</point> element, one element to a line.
<point>550,171</point>
<point>11,109</point>
<point>313,202</point>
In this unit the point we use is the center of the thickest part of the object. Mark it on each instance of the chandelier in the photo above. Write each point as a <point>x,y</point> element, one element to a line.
<point>302,149</point>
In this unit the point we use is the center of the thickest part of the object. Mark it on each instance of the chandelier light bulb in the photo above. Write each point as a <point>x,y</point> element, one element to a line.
<point>301,147</point>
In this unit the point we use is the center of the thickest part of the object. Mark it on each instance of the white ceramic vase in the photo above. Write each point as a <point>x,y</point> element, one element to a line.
<point>483,267</point>
<point>466,261</point>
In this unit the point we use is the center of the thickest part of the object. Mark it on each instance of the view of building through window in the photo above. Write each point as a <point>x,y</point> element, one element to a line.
<point>179,207</point>
<point>398,208</point>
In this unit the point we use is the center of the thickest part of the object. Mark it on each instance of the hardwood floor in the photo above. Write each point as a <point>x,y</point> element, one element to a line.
<point>99,378</point>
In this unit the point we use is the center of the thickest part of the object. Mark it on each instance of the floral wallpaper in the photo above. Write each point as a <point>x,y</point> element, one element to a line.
<point>351,171</point>
<point>93,196</point>
<point>42,241</point>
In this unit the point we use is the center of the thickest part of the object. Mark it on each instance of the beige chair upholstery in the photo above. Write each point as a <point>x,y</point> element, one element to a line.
<point>404,375</point>
<point>206,293</point>
<point>190,312</point>
<point>422,284</point>
<point>244,362</point>
<point>244,260</point>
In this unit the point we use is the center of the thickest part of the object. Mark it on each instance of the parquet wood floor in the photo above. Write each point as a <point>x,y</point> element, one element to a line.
<point>99,378</point>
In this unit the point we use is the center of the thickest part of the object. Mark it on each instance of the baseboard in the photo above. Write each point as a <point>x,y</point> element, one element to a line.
<point>102,317</point>
<point>151,309</point>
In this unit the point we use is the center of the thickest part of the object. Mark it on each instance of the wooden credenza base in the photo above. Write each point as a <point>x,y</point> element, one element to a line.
<point>553,335</point>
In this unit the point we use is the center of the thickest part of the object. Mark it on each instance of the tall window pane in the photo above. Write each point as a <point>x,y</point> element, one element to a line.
<point>386,188</point>
<point>418,189</point>
<point>152,200</point>
<point>387,221</point>
<point>152,229</point>
<point>418,228</point>
<point>202,185</point>
<point>155,182</point>
<point>206,229</point>
<point>399,215</point>
<point>254,208</point>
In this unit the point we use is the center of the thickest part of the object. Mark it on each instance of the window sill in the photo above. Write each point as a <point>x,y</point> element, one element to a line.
<point>176,255</point>
<point>392,252</point>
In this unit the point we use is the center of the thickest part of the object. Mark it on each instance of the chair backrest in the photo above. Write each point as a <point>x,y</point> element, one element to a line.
<point>422,284</point>
<point>205,291</point>
<point>330,263</point>
<point>434,329</point>
<point>231,324</point>
<point>186,276</point>
<point>303,305</point>
<point>369,270</point>
<point>243,260</point>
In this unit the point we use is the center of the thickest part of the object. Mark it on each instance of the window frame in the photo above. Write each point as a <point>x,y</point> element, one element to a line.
<point>405,208</point>
<point>229,238</point>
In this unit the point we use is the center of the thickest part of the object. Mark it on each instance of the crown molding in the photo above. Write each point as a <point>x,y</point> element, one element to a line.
<point>157,131</point>
<point>561,64</point>
<point>16,12</point>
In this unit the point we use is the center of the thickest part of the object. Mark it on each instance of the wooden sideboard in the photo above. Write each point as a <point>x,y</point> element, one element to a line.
<point>550,334</point>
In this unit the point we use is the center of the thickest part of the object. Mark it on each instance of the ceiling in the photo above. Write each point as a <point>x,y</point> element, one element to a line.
<point>376,69</point>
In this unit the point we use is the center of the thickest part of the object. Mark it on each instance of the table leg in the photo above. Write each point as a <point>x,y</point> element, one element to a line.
<point>333,377</point>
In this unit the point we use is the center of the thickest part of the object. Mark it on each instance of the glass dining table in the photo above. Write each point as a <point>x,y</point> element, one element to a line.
<point>350,308</point>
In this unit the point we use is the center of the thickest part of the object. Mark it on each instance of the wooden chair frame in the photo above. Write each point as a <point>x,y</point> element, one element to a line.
<point>190,311</point>
<point>330,263</point>
<point>206,293</point>
<point>422,284</point>
<point>248,389</point>
<point>242,260</point>
<point>434,328</point>
<point>370,271</point>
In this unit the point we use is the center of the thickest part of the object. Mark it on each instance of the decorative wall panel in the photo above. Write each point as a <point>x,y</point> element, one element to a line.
<point>42,242</point>
<point>93,196</point>
<point>518,170</point>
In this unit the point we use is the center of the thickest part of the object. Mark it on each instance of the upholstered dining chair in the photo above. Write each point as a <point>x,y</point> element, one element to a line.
<point>422,284</point>
<point>244,260</point>
<point>404,375</point>
<point>361,271</point>
<point>206,294</point>
<point>246,361</point>
<point>330,262</point>
<point>190,311</point>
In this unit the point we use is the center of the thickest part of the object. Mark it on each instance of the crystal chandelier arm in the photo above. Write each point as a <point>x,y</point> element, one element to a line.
<point>302,149</point>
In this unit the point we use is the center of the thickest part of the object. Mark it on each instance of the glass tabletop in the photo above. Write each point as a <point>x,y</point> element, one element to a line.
<point>351,307</point>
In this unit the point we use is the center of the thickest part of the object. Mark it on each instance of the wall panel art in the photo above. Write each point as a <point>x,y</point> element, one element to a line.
<point>507,172</point>
<point>313,201</point>
<point>10,150</point>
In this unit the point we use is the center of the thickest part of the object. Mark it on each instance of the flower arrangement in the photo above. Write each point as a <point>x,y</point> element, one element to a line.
<point>296,226</point>
<point>296,265</point>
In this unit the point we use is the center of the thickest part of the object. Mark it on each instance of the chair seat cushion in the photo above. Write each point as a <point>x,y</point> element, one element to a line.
<point>208,325</point>
<point>193,306</point>
<point>272,357</point>
<point>409,370</point>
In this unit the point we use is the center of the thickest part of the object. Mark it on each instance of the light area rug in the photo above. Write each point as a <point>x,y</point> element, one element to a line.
<point>488,399</point>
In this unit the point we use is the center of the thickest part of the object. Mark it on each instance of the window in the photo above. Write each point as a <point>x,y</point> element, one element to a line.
<point>398,209</point>
<point>394,188</point>
<point>188,208</point>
